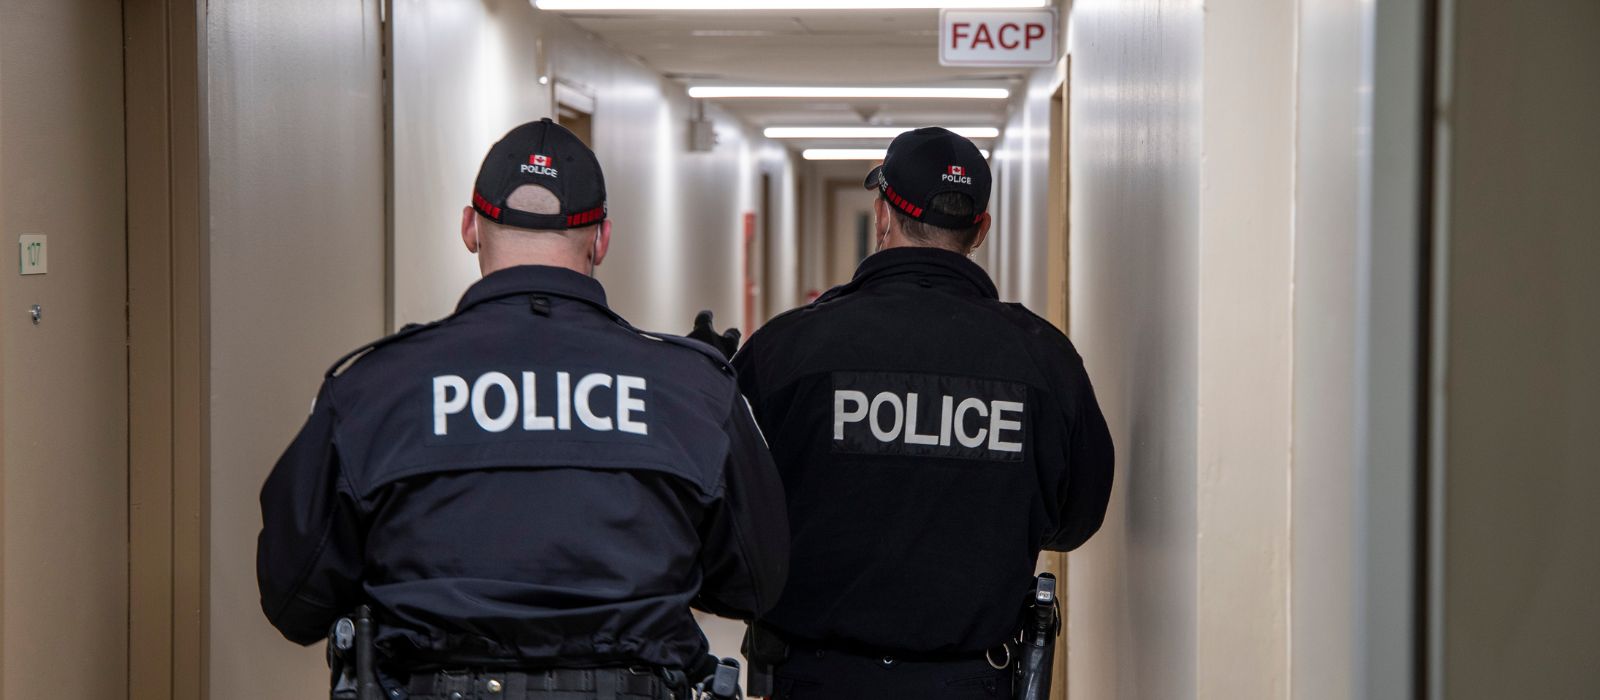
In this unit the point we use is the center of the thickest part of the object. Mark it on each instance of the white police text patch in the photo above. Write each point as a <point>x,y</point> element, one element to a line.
<point>494,402</point>
<point>928,415</point>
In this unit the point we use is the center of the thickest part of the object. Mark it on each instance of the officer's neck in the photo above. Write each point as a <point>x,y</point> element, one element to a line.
<point>489,265</point>
<point>895,239</point>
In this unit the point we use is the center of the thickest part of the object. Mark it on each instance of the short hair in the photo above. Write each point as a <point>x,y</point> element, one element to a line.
<point>953,204</point>
<point>533,199</point>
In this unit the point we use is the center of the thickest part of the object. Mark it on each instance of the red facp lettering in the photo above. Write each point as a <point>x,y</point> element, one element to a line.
<point>1035,33</point>
<point>983,37</point>
<point>1006,30</point>
<point>958,31</point>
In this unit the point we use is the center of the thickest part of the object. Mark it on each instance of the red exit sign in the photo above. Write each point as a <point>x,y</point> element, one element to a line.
<point>998,37</point>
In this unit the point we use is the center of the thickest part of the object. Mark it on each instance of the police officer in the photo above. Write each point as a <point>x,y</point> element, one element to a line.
<point>932,440</point>
<point>531,493</point>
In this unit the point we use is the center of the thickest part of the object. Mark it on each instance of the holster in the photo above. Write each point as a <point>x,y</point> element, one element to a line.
<point>1036,650</point>
<point>352,658</point>
<point>765,650</point>
<point>724,684</point>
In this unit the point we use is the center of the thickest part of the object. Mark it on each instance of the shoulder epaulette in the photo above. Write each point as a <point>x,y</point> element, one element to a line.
<point>405,331</point>
<point>835,292</point>
<point>709,352</point>
<point>791,312</point>
<point>1049,326</point>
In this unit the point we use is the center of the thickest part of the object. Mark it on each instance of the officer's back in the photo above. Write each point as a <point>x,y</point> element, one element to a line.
<point>531,483</point>
<point>932,440</point>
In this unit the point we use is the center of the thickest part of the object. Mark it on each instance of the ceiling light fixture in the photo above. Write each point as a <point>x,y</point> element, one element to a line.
<point>852,153</point>
<point>867,132</point>
<point>731,5</point>
<point>836,93</point>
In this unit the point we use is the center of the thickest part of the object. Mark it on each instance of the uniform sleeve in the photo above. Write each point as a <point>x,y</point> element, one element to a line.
<point>745,553</point>
<point>1090,458</point>
<point>744,364</point>
<point>309,554</point>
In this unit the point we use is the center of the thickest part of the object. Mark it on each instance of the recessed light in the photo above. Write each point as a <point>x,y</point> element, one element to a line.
<point>734,5</point>
<point>867,132</point>
<point>731,33</point>
<point>826,93</point>
<point>853,153</point>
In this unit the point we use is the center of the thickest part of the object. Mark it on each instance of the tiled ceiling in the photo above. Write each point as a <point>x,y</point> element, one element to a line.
<point>832,48</point>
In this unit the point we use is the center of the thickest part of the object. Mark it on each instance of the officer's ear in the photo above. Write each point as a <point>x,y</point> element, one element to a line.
<point>469,229</point>
<point>983,232</point>
<point>602,242</point>
<point>880,219</point>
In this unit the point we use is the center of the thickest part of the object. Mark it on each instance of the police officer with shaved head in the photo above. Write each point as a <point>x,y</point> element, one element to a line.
<point>530,494</point>
<point>932,440</point>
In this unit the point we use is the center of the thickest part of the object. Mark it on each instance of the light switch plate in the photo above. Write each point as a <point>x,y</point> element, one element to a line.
<point>35,254</point>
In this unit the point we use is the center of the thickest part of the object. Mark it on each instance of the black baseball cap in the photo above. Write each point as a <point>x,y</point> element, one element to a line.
<point>546,154</point>
<point>926,163</point>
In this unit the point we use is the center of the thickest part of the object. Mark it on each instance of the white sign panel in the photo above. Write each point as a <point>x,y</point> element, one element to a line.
<point>998,37</point>
<point>35,256</point>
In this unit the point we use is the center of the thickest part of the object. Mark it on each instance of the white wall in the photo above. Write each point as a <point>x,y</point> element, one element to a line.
<point>1187,158</point>
<point>466,72</point>
<point>1020,203</point>
<point>1135,193</point>
<point>296,279</point>
<point>1333,118</point>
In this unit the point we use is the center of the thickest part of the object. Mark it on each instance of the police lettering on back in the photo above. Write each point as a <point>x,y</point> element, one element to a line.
<point>496,402</point>
<point>928,415</point>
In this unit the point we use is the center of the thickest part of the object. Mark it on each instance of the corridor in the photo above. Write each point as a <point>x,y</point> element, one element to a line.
<point>1332,267</point>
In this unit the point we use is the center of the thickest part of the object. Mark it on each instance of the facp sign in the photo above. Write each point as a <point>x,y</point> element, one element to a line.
<point>998,37</point>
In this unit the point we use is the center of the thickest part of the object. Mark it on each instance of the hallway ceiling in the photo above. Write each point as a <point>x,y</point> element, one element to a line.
<point>836,48</point>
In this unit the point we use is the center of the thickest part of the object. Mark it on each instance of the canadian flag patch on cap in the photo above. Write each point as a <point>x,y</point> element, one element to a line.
<point>956,174</point>
<point>540,165</point>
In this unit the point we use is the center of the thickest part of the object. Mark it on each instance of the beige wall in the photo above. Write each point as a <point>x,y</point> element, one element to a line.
<point>64,388</point>
<point>1245,349</point>
<point>296,279</point>
<point>466,71</point>
<point>833,198</point>
<point>1519,264</point>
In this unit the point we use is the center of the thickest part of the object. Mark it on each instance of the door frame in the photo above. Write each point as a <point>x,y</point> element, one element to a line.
<point>167,338</point>
<point>1057,305</point>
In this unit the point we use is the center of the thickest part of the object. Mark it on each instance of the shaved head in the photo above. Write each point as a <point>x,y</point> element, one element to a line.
<point>534,200</point>
<point>499,246</point>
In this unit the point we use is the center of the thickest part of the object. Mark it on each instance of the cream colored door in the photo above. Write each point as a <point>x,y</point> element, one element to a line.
<point>63,390</point>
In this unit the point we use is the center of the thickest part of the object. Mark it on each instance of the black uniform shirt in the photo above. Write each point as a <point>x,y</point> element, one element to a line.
<point>931,441</point>
<point>530,481</point>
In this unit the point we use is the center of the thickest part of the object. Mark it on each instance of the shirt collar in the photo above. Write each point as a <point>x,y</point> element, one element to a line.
<point>912,260</point>
<point>527,279</point>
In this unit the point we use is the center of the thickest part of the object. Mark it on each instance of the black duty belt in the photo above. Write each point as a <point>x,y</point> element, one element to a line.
<point>998,657</point>
<point>551,684</point>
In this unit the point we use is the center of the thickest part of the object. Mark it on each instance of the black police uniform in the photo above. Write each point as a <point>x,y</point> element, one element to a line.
<point>932,440</point>
<point>529,484</point>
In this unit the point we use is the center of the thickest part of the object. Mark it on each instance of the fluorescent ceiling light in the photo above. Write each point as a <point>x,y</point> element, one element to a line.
<point>826,93</point>
<point>867,132</point>
<point>732,5</point>
<point>852,153</point>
